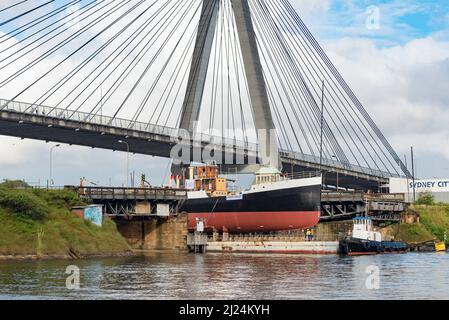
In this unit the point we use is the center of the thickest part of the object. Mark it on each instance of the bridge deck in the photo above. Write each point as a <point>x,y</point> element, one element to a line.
<point>25,120</point>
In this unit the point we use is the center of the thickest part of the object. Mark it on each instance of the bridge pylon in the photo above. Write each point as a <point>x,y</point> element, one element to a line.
<point>260,106</point>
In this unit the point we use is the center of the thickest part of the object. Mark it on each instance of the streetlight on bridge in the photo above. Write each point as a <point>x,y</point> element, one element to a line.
<point>127,160</point>
<point>101,100</point>
<point>338,176</point>
<point>51,182</point>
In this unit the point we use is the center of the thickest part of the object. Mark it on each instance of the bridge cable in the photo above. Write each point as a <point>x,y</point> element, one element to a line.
<point>173,79</point>
<point>76,51</point>
<point>330,65</point>
<point>283,56</point>
<point>60,45</point>
<point>237,55</point>
<point>25,13</point>
<point>245,82</point>
<point>332,96</point>
<point>86,61</point>
<point>78,14</point>
<point>278,56</point>
<point>164,67</point>
<point>22,28</point>
<point>12,6</point>
<point>145,71</point>
<point>346,88</point>
<point>340,120</point>
<point>171,83</point>
<point>270,60</point>
<point>291,68</point>
<point>117,55</point>
<point>138,57</point>
<point>146,98</point>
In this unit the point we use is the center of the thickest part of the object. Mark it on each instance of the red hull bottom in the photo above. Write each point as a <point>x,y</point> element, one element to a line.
<point>305,252</point>
<point>243,222</point>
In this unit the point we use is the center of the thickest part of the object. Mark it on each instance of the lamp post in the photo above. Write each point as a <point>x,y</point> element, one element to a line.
<point>338,182</point>
<point>413,174</point>
<point>321,128</point>
<point>408,178</point>
<point>101,104</point>
<point>101,93</point>
<point>51,163</point>
<point>127,160</point>
<point>101,101</point>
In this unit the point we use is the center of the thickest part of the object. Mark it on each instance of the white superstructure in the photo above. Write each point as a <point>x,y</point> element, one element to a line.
<point>363,229</point>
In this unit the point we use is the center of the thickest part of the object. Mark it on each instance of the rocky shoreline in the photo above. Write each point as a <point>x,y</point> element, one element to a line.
<point>68,256</point>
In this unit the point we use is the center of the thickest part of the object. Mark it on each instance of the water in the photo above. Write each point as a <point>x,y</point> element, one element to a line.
<point>217,276</point>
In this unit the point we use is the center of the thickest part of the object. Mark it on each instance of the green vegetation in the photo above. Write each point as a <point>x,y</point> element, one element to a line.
<point>40,222</point>
<point>435,219</point>
<point>24,203</point>
<point>414,233</point>
<point>434,223</point>
<point>426,199</point>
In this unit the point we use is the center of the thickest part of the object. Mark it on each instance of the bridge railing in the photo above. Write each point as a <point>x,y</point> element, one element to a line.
<point>336,164</point>
<point>102,120</point>
<point>85,117</point>
<point>131,192</point>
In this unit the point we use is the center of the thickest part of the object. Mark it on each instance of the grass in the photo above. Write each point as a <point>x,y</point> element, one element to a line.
<point>434,223</point>
<point>435,219</point>
<point>414,233</point>
<point>40,222</point>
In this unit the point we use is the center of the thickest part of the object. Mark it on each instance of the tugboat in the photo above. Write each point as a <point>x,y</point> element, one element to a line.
<point>274,202</point>
<point>366,241</point>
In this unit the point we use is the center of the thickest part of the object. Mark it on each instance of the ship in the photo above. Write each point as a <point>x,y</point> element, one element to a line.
<point>366,241</point>
<point>274,202</point>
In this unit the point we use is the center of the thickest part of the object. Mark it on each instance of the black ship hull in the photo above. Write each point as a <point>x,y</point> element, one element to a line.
<point>265,211</point>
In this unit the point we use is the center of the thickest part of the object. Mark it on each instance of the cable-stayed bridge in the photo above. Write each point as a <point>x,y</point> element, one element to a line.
<point>94,72</point>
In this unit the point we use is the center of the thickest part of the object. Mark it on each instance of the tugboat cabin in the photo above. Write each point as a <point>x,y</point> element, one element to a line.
<point>363,229</point>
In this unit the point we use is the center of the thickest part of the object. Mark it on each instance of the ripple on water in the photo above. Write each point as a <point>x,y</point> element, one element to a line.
<point>217,276</point>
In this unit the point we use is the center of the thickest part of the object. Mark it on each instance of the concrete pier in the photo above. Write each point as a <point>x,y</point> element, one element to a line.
<point>155,234</point>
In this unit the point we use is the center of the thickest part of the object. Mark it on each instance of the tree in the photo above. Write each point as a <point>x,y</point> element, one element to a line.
<point>425,198</point>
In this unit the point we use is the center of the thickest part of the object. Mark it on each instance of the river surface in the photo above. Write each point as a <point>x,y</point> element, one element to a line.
<point>221,276</point>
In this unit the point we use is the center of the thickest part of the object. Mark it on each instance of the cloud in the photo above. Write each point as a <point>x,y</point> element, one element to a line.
<point>16,152</point>
<point>399,21</point>
<point>401,78</point>
<point>404,88</point>
<point>312,7</point>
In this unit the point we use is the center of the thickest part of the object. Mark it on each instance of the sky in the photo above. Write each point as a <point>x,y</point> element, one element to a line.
<point>393,54</point>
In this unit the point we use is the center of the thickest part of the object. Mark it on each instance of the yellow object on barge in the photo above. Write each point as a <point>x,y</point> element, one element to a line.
<point>440,246</point>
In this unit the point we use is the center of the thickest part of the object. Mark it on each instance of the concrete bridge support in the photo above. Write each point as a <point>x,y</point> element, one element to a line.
<point>155,234</point>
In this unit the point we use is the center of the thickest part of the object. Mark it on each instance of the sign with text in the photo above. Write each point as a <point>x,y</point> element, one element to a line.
<point>430,185</point>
